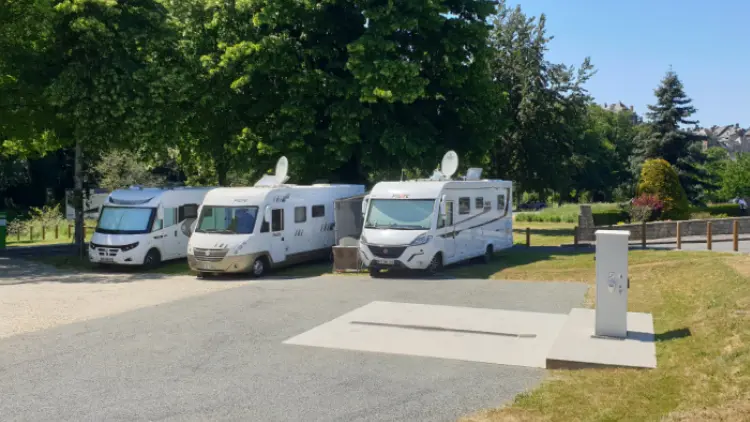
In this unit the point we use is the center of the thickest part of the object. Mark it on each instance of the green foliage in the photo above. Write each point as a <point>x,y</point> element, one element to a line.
<point>731,210</point>
<point>667,140</point>
<point>568,213</point>
<point>120,169</point>
<point>735,177</point>
<point>609,217</point>
<point>545,105</point>
<point>659,178</point>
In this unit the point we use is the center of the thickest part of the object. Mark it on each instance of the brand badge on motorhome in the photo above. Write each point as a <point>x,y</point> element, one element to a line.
<point>400,195</point>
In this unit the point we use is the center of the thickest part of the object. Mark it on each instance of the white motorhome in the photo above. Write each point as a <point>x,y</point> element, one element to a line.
<point>144,226</point>
<point>253,229</point>
<point>426,224</point>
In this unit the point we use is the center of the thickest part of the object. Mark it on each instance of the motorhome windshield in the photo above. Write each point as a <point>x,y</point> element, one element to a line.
<point>125,220</point>
<point>400,214</point>
<point>227,220</point>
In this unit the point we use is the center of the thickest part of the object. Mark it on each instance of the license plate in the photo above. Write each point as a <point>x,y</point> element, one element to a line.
<point>387,261</point>
<point>207,266</point>
<point>107,260</point>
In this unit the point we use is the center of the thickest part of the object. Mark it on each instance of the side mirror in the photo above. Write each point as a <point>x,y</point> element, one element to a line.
<point>193,225</point>
<point>267,215</point>
<point>365,201</point>
<point>442,205</point>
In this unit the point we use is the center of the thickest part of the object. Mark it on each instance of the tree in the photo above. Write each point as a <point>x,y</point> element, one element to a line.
<point>735,177</point>
<point>119,169</point>
<point>668,139</point>
<point>660,179</point>
<point>546,105</point>
<point>92,77</point>
<point>603,154</point>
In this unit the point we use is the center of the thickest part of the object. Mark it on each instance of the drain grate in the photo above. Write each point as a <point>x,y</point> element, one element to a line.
<point>443,329</point>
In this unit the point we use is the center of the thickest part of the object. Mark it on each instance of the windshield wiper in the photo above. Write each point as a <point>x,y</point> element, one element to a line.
<point>406,227</point>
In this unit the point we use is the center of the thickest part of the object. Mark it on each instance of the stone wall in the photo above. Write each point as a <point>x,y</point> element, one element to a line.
<point>668,229</point>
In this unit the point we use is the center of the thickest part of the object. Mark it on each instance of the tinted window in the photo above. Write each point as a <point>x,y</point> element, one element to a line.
<point>187,211</point>
<point>479,203</point>
<point>318,211</point>
<point>300,214</point>
<point>228,220</point>
<point>277,220</point>
<point>464,205</point>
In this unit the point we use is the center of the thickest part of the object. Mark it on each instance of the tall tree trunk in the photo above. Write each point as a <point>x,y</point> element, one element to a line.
<point>78,199</point>
<point>221,172</point>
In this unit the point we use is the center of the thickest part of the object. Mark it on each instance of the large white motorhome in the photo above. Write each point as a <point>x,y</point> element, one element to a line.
<point>144,226</point>
<point>253,229</point>
<point>426,224</point>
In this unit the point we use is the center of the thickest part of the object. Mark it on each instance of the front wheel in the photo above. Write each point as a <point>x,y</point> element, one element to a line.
<point>375,272</point>
<point>152,259</point>
<point>259,267</point>
<point>436,264</point>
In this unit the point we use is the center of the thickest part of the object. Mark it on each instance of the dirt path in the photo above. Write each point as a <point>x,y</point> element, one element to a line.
<point>35,296</point>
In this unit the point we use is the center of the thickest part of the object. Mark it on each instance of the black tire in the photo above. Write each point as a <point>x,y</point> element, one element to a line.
<point>152,259</point>
<point>436,264</point>
<point>489,253</point>
<point>201,275</point>
<point>259,268</point>
<point>375,272</point>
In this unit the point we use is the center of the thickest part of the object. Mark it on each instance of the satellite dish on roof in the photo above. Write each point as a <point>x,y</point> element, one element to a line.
<point>282,168</point>
<point>449,165</point>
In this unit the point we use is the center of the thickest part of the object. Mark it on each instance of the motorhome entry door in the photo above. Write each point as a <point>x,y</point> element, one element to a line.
<point>278,239</point>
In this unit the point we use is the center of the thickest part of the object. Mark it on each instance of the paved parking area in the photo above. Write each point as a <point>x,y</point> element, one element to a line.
<point>218,353</point>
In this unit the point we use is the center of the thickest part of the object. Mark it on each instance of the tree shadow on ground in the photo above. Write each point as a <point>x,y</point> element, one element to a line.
<point>514,257</point>
<point>17,271</point>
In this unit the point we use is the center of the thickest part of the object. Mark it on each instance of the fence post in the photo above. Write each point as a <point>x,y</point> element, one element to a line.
<point>57,228</point>
<point>44,233</point>
<point>735,235</point>
<point>679,236</point>
<point>575,236</point>
<point>708,235</point>
<point>31,232</point>
<point>528,237</point>
<point>643,235</point>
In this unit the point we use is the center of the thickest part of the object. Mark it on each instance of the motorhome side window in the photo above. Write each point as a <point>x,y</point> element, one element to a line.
<point>447,218</point>
<point>464,205</point>
<point>187,211</point>
<point>318,211</point>
<point>300,214</point>
<point>277,220</point>
<point>170,216</point>
<point>479,203</point>
<point>502,205</point>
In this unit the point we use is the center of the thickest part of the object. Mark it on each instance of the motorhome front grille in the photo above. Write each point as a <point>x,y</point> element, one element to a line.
<point>387,251</point>
<point>209,254</point>
<point>107,252</point>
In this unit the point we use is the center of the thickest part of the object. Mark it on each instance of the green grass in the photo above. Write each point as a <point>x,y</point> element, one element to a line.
<point>33,236</point>
<point>543,234</point>
<point>704,376</point>
<point>566,213</point>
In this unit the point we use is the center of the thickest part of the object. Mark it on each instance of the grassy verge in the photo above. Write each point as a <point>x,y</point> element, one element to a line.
<point>543,234</point>
<point>32,236</point>
<point>566,213</point>
<point>702,376</point>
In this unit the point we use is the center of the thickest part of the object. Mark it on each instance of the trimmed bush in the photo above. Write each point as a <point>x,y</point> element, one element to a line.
<point>660,179</point>
<point>609,217</point>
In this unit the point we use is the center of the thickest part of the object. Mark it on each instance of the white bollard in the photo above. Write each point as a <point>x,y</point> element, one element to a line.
<point>612,283</point>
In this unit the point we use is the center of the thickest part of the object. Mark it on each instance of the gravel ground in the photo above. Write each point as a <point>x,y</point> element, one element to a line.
<point>116,350</point>
<point>35,296</point>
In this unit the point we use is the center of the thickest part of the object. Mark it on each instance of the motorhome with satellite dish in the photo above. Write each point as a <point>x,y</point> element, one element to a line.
<point>426,224</point>
<point>144,226</point>
<point>254,229</point>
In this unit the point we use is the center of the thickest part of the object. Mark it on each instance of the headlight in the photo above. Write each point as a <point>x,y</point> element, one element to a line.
<point>190,250</point>
<point>421,240</point>
<point>362,239</point>
<point>129,247</point>
<point>92,246</point>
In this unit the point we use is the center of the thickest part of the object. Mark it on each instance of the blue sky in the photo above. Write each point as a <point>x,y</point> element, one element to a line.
<point>633,43</point>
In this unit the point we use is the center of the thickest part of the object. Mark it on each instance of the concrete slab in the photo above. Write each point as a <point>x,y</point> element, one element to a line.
<point>467,334</point>
<point>577,347</point>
